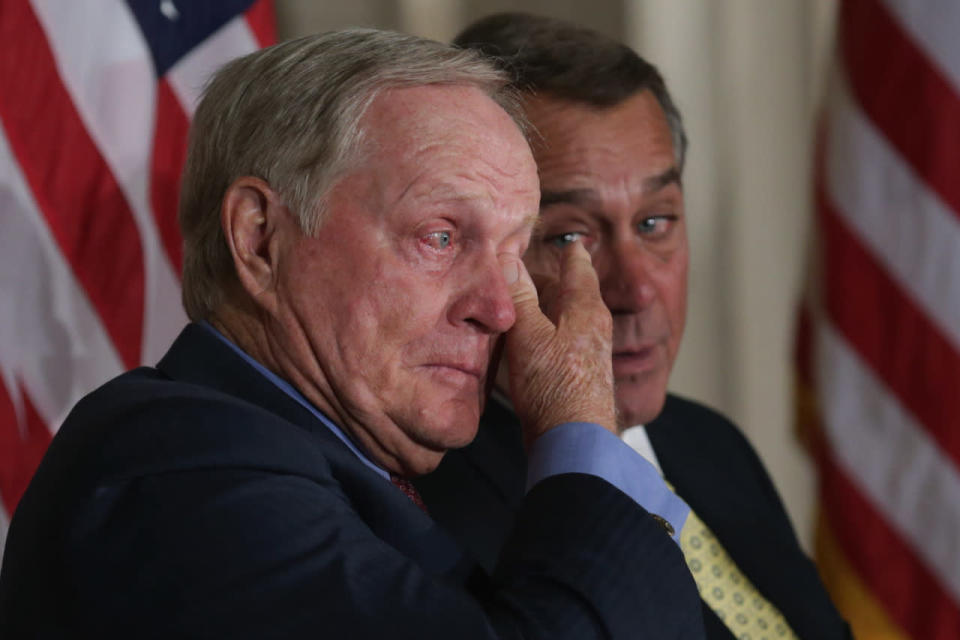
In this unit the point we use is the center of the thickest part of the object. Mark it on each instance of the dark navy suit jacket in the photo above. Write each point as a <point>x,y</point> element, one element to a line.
<point>711,466</point>
<point>197,499</point>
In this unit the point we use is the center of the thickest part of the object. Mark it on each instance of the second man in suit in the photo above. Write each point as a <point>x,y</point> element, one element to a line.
<point>610,159</point>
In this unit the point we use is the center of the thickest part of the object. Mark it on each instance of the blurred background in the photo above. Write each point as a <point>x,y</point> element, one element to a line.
<point>823,209</point>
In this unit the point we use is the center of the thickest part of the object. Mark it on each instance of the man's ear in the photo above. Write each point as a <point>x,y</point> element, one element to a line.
<point>253,216</point>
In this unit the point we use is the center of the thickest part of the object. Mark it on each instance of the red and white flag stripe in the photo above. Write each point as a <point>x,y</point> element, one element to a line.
<point>91,146</point>
<point>883,357</point>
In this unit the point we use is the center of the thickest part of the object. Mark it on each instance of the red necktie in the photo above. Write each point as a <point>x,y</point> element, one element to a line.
<point>408,490</point>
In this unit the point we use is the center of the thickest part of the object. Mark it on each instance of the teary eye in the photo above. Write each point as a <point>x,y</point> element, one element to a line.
<point>438,239</point>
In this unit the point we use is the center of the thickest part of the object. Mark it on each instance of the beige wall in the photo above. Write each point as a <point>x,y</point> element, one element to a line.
<point>746,75</point>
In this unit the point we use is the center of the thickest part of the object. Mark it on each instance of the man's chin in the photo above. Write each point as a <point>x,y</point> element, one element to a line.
<point>455,433</point>
<point>638,405</point>
<point>452,428</point>
<point>428,451</point>
<point>422,463</point>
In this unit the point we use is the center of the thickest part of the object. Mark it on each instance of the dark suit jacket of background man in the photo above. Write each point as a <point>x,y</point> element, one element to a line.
<point>711,466</point>
<point>200,500</point>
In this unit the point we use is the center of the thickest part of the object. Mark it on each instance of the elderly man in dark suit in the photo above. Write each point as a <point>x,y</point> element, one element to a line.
<point>354,209</point>
<point>610,159</point>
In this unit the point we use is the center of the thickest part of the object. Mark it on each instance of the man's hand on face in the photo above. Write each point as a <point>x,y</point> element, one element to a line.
<point>560,363</point>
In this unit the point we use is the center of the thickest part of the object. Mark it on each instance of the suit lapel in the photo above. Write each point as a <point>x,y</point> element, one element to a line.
<point>200,358</point>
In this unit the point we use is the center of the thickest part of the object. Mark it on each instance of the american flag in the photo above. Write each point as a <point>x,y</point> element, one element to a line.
<point>95,103</point>
<point>880,340</point>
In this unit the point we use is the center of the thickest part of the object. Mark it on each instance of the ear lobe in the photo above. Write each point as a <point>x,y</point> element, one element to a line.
<point>251,214</point>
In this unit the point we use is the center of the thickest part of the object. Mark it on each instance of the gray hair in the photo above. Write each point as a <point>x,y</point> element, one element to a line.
<point>291,115</point>
<point>567,61</point>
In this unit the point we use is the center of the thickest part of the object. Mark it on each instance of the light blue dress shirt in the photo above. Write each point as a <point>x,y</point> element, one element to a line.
<point>585,447</point>
<point>572,447</point>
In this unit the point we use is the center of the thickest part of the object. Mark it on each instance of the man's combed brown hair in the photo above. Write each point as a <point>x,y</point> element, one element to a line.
<point>567,61</point>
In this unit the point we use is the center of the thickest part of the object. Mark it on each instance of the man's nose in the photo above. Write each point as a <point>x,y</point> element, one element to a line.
<point>486,303</point>
<point>625,269</point>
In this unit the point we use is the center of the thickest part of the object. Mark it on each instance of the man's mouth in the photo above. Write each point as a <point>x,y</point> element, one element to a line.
<point>458,371</point>
<point>634,361</point>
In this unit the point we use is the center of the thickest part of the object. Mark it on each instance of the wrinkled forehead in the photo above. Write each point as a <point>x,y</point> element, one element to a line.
<point>451,114</point>
<point>444,147</point>
<point>637,120</point>
<point>451,129</point>
<point>627,146</point>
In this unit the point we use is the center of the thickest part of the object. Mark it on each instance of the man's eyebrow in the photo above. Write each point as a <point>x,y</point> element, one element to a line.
<point>586,197</point>
<point>655,183</point>
<point>572,196</point>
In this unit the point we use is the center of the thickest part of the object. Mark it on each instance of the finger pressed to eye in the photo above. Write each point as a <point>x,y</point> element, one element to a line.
<point>576,268</point>
<point>525,302</point>
<point>581,287</point>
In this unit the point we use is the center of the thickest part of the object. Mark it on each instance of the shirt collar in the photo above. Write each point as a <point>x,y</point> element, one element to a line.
<point>636,436</point>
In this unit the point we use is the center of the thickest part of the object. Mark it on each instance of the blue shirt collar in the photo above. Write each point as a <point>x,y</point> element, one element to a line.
<point>291,391</point>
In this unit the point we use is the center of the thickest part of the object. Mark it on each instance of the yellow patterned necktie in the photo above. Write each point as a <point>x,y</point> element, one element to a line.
<point>730,594</point>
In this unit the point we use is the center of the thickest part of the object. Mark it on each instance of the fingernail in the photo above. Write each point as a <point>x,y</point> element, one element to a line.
<point>511,270</point>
